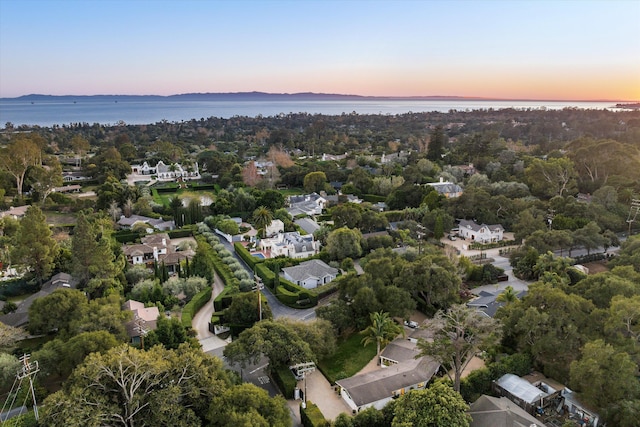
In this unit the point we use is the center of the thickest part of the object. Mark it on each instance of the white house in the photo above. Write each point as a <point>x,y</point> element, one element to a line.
<point>481,233</point>
<point>166,172</point>
<point>274,228</point>
<point>310,274</point>
<point>291,245</point>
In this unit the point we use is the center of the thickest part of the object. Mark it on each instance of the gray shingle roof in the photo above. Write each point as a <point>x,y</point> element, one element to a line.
<point>309,269</point>
<point>377,385</point>
<point>490,411</point>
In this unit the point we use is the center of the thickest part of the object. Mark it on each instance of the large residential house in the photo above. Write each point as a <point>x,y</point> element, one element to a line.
<point>291,245</point>
<point>145,319</point>
<point>166,172</point>
<point>446,188</point>
<point>400,373</point>
<point>308,204</point>
<point>481,233</point>
<point>20,316</point>
<point>156,248</point>
<point>310,274</point>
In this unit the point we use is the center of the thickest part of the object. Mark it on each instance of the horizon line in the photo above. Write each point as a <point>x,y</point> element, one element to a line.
<point>394,97</point>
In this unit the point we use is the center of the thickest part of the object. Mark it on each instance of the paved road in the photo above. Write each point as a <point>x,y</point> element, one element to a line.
<point>277,308</point>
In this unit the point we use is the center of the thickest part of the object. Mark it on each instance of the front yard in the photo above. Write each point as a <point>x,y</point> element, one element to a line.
<point>350,357</point>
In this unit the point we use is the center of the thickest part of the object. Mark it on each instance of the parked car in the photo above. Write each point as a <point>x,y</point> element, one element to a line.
<point>411,324</point>
<point>452,237</point>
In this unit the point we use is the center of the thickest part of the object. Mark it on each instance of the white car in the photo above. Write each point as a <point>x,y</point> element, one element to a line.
<point>411,324</point>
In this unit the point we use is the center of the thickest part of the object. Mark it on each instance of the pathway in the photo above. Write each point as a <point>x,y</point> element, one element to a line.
<point>200,323</point>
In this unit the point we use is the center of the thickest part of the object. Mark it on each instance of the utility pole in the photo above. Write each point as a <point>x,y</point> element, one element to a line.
<point>28,370</point>
<point>633,213</point>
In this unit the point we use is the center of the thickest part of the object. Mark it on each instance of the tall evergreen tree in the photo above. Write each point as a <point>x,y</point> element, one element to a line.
<point>435,150</point>
<point>34,245</point>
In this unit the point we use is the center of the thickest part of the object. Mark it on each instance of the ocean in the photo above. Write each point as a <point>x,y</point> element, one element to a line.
<point>47,113</point>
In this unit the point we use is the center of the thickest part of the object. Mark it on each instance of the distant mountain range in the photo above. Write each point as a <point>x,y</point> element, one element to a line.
<point>235,96</point>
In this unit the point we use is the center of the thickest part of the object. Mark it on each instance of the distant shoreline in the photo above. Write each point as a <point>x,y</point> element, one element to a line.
<point>303,96</point>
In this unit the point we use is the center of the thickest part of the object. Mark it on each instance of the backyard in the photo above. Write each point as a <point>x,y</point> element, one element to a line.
<point>350,357</point>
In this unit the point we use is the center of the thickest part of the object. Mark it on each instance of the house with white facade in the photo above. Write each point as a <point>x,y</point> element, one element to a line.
<point>310,274</point>
<point>291,245</point>
<point>481,233</point>
<point>166,172</point>
<point>276,226</point>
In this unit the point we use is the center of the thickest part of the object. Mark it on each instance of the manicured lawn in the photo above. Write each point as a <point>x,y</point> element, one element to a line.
<point>350,357</point>
<point>291,192</point>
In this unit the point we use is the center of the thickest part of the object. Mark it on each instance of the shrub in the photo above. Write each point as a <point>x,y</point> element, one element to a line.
<point>196,303</point>
<point>312,417</point>
<point>285,380</point>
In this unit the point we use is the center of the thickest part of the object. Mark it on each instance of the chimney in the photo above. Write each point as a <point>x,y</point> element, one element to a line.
<point>441,179</point>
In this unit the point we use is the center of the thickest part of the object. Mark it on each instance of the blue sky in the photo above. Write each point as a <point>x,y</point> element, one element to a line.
<point>567,49</point>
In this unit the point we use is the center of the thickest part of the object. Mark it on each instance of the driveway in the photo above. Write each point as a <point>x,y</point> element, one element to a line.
<point>200,322</point>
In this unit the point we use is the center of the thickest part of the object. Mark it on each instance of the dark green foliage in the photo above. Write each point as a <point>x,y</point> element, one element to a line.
<point>193,306</point>
<point>285,380</point>
<point>246,256</point>
<point>312,417</point>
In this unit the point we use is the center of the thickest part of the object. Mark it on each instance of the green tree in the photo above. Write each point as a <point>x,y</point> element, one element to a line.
<point>551,177</point>
<point>279,343</point>
<point>18,156</point>
<point>347,215</point>
<point>45,178</point>
<point>249,405</point>
<point>458,334</point>
<point>61,357</point>
<point>383,329</point>
<point>314,182</point>
<point>56,311</point>
<point>35,247</point>
<point>244,310</point>
<point>170,333</point>
<point>437,406</point>
<point>604,376</point>
<point>262,217</point>
<point>343,243</point>
<point>508,296</point>
<point>129,387</point>
<point>437,139</point>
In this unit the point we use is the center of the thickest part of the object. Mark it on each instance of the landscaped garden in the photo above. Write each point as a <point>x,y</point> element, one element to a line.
<point>350,357</point>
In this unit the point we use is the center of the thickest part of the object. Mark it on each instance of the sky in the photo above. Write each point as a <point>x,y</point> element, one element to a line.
<point>512,49</point>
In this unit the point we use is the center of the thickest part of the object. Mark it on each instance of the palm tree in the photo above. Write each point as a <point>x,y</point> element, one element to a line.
<point>508,296</point>
<point>382,330</point>
<point>262,217</point>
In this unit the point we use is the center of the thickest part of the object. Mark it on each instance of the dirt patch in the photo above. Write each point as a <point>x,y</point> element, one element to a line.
<point>597,267</point>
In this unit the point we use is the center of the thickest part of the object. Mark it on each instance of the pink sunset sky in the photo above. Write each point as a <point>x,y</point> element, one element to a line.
<point>564,50</point>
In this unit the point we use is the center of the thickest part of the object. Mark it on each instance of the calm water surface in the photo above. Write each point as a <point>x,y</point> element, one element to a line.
<point>56,112</point>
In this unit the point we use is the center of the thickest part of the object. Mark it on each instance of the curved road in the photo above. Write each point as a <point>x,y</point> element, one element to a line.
<point>200,322</point>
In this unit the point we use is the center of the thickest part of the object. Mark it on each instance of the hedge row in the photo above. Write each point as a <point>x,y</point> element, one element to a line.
<point>126,236</point>
<point>373,198</point>
<point>295,296</point>
<point>223,300</point>
<point>285,380</point>
<point>186,231</point>
<point>193,306</point>
<point>266,275</point>
<point>312,417</point>
<point>246,256</point>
